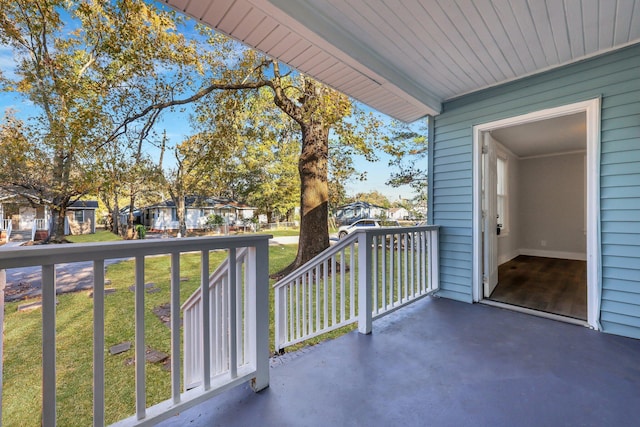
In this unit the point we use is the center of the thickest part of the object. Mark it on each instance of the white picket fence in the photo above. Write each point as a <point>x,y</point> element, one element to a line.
<point>389,266</point>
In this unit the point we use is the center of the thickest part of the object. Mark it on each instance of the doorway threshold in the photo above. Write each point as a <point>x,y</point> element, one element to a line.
<point>537,313</point>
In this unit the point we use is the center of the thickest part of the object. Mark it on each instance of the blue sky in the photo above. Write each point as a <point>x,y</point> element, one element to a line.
<point>177,127</point>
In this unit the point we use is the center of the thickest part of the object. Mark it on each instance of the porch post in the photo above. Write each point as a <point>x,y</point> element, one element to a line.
<point>364,282</point>
<point>259,258</point>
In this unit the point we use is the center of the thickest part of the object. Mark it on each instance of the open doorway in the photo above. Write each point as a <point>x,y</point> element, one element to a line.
<point>535,192</point>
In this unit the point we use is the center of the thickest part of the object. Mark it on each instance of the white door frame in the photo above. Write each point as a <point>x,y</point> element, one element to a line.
<point>592,110</point>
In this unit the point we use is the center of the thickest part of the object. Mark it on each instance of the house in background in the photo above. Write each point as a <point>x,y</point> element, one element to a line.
<point>81,217</point>
<point>398,214</point>
<point>164,215</point>
<point>19,214</point>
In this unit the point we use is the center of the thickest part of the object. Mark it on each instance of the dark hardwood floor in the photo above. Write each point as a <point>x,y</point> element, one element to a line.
<point>552,285</point>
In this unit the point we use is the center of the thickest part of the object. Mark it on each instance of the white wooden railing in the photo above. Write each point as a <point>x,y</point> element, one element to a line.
<point>389,266</point>
<point>227,300</point>
<point>253,366</point>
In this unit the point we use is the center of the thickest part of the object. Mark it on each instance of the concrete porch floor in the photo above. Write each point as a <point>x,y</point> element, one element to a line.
<point>439,362</point>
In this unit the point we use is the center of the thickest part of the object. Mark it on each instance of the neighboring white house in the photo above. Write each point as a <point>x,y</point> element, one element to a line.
<point>164,215</point>
<point>398,213</point>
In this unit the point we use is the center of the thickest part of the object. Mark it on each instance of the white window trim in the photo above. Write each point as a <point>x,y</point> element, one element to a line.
<point>504,231</point>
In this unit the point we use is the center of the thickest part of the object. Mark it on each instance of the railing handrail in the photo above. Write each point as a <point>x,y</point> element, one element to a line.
<point>46,255</point>
<point>343,243</point>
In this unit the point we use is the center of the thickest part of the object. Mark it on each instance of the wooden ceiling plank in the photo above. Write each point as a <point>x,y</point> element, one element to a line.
<point>558,21</point>
<point>624,14</point>
<point>606,28</point>
<point>540,16</point>
<point>218,10</point>
<point>523,16</point>
<point>440,12</point>
<point>438,62</point>
<point>634,32</point>
<point>273,39</point>
<point>500,36</point>
<point>288,46</point>
<point>261,32</point>
<point>400,54</point>
<point>249,23</point>
<point>485,38</point>
<point>590,29</point>
<point>514,33</point>
<point>574,27</point>
<point>198,8</point>
<point>233,17</point>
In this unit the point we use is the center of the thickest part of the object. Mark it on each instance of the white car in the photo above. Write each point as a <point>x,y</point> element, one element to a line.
<point>345,230</point>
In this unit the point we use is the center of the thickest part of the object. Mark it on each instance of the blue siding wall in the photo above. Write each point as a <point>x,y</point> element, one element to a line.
<point>615,77</point>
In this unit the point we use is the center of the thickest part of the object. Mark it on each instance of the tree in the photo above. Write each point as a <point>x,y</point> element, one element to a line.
<point>374,197</point>
<point>317,111</point>
<point>408,145</point>
<point>87,67</point>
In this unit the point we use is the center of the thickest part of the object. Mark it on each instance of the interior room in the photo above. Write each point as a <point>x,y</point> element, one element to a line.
<point>541,200</point>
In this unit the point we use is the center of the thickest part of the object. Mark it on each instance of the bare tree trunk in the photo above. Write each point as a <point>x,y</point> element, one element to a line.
<point>130,231</point>
<point>314,195</point>
<point>56,232</point>
<point>181,211</point>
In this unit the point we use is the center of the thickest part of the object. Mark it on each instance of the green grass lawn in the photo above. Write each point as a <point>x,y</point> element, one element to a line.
<point>74,322</point>
<point>98,236</point>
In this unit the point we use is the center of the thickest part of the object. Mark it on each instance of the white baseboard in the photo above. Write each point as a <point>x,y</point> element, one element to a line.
<point>554,254</point>
<point>507,257</point>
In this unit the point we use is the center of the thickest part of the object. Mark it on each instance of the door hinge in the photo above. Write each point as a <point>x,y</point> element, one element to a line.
<point>485,279</point>
<point>485,149</point>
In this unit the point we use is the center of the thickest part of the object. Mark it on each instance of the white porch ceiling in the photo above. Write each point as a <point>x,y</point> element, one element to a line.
<point>404,58</point>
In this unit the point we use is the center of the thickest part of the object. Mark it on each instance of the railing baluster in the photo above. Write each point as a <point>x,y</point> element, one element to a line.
<point>342,286</point>
<point>206,318</point>
<point>374,264</point>
<point>352,282</point>
<point>389,238</point>
<point>48,345</point>
<point>383,285</point>
<point>405,267</point>
<point>240,298</point>
<point>398,268</point>
<point>317,292</point>
<point>298,319</point>
<point>175,327</point>
<point>334,274</point>
<point>325,266</point>
<point>292,305</point>
<point>233,326</point>
<point>412,273</point>
<point>140,363</point>
<point>98,343</point>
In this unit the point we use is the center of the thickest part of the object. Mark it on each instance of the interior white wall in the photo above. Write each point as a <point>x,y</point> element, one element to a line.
<point>551,206</point>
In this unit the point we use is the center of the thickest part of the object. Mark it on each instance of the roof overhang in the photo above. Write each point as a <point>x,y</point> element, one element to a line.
<point>406,58</point>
